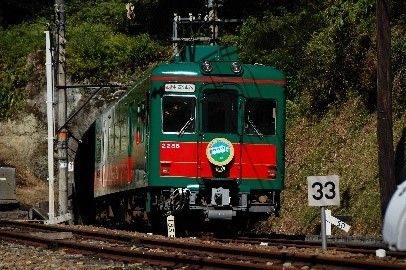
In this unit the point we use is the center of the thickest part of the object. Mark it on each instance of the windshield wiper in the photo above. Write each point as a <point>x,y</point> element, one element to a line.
<point>255,128</point>
<point>185,126</point>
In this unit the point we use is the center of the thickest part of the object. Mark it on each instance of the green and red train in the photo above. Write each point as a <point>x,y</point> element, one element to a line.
<point>201,136</point>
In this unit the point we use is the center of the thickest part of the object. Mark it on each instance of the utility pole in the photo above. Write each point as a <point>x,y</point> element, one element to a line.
<point>51,126</point>
<point>213,5</point>
<point>384,106</point>
<point>62,134</point>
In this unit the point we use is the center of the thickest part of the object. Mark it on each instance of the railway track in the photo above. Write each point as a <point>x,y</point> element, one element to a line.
<point>362,246</point>
<point>160,251</point>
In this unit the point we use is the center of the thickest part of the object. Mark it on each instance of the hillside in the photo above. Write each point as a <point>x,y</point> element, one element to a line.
<point>343,142</point>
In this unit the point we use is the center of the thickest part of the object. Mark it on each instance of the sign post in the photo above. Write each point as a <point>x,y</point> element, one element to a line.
<point>170,222</point>
<point>323,228</point>
<point>323,191</point>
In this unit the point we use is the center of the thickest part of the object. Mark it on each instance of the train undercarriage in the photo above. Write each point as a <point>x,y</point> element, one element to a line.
<point>193,207</point>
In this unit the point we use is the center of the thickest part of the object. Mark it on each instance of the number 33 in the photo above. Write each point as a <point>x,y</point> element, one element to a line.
<point>329,195</point>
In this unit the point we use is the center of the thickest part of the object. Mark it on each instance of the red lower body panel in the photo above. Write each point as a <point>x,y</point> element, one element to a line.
<point>188,159</point>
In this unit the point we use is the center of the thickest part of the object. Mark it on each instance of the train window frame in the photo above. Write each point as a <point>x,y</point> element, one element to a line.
<point>99,143</point>
<point>117,142</point>
<point>124,136</point>
<point>110,136</point>
<point>230,127</point>
<point>187,125</point>
<point>122,125</point>
<point>141,121</point>
<point>257,128</point>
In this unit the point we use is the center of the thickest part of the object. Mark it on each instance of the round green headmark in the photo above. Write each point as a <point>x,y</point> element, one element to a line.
<point>220,151</point>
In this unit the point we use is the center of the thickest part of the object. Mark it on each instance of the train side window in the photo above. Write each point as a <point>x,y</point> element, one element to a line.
<point>260,117</point>
<point>99,144</point>
<point>141,116</point>
<point>117,141</point>
<point>178,114</point>
<point>123,137</point>
<point>132,109</point>
<point>123,130</point>
<point>110,136</point>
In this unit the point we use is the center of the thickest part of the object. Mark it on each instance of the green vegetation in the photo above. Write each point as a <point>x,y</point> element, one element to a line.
<point>326,48</point>
<point>97,54</point>
<point>18,45</point>
<point>97,51</point>
<point>328,52</point>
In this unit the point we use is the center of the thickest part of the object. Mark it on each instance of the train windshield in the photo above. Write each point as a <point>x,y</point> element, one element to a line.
<point>220,112</point>
<point>260,117</point>
<point>178,114</point>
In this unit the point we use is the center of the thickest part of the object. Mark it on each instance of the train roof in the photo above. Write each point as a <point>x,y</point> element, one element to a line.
<point>199,53</point>
<point>188,64</point>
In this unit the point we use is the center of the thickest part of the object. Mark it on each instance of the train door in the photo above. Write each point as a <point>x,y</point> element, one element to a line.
<point>220,134</point>
<point>178,147</point>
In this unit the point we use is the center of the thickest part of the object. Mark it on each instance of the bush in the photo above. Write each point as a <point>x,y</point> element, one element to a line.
<point>279,41</point>
<point>96,53</point>
<point>326,51</point>
<point>110,13</point>
<point>16,43</point>
<point>337,55</point>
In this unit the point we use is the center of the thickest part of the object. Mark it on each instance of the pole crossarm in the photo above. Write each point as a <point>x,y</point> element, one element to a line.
<point>92,86</point>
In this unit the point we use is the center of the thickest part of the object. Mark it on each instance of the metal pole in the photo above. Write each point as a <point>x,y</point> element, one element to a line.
<point>62,109</point>
<point>323,228</point>
<point>50,119</point>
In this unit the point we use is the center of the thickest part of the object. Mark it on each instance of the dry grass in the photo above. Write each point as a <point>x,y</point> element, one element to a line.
<point>30,191</point>
<point>342,143</point>
<point>20,141</point>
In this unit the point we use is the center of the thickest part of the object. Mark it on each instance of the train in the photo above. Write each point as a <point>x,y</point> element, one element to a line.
<point>200,137</point>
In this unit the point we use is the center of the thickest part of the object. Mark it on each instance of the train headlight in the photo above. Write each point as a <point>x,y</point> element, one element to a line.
<point>165,168</point>
<point>236,68</point>
<point>206,66</point>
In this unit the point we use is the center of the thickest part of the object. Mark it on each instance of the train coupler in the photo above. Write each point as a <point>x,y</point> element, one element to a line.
<point>225,214</point>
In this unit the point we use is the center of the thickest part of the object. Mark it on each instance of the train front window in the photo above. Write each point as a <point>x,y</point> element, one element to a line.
<point>178,114</point>
<point>220,112</point>
<point>260,117</point>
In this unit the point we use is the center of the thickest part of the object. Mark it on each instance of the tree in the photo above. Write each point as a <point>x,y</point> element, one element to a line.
<point>14,12</point>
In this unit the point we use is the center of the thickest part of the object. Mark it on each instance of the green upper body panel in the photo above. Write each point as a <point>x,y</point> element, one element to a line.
<point>188,64</point>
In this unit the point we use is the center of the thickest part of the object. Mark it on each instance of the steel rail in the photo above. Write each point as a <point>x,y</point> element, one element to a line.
<point>262,254</point>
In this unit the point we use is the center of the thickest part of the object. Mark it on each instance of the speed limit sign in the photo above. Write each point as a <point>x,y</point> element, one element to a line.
<point>323,190</point>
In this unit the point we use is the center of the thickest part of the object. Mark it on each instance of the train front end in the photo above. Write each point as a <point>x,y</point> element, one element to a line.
<point>217,131</point>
